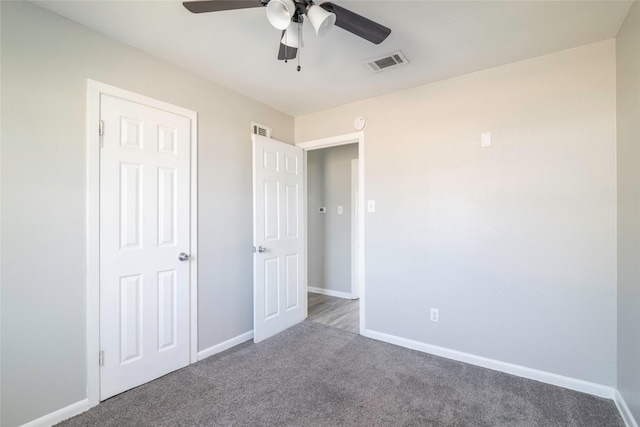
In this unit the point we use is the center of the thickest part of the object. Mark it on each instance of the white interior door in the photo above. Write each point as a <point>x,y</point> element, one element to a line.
<point>144,227</point>
<point>279,287</point>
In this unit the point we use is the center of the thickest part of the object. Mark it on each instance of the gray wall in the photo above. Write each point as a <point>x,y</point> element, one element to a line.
<point>514,243</point>
<point>45,61</point>
<point>329,238</point>
<point>628,100</point>
<point>315,220</point>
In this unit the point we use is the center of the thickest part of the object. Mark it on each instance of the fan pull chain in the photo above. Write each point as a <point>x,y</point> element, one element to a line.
<point>286,43</point>
<point>299,46</point>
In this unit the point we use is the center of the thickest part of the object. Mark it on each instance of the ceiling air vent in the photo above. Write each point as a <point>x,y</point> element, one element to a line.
<point>388,61</point>
<point>258,129</point>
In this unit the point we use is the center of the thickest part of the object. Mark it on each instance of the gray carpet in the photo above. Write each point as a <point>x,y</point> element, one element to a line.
<point>315,375</point>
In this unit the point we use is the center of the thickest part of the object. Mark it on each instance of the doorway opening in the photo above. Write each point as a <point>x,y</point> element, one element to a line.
<point>335,231</point>
<point>331,231</point>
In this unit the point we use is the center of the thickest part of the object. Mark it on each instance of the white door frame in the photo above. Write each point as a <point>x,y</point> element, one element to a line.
<point>334,141</point>
<point>354,227</point>
<point>94,90</point>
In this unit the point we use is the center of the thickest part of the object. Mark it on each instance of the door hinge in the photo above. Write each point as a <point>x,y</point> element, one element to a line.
<point>101,358</point>
<point>101,128</point>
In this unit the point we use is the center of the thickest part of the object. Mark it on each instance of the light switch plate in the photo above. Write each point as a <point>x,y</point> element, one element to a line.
<point>371,206</point>
<point>485,139</point>
<point>340,210</point>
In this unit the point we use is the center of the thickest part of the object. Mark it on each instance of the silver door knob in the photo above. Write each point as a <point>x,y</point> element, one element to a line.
<point>183,256</point>
<point>262,249</point>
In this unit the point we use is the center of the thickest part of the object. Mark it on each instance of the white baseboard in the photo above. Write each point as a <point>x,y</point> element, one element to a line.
<point>329,292</point>
<point>59,415</point>
<point>83,405</point>
<point>626,414</point>
<point>521,371</point>
<point>218,348</point>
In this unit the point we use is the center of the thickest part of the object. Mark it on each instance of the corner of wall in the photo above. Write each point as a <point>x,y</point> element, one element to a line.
<point>628,215</point>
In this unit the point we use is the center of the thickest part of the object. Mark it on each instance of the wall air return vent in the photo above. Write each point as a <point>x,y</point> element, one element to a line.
<point>385,62</point>
<point>258,129</point>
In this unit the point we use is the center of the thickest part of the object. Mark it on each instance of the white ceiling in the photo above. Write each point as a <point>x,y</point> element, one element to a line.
<point>441,39</point>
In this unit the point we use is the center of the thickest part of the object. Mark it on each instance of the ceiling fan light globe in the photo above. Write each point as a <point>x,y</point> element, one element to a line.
<point>280,12</point>
<point>290,37</point>
<point>321,20</point>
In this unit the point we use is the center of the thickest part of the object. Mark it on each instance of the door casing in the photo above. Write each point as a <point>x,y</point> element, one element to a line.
<point>94,91</point>
<point>355,166</point>
<point>334,141</point>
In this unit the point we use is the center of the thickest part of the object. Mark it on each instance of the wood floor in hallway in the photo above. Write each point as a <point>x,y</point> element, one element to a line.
<point>332,311</point>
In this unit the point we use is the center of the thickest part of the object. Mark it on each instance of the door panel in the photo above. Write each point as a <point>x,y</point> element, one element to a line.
<point>144,225</point>
<point>292,201</point>
<point>292,275</point>
<point>167,206</point>
<point>271,288</point>
<point>130,204</point>
<point>130,318</point>
<point>278,220</point>
<point>271,210</point>
<point>167,309</point>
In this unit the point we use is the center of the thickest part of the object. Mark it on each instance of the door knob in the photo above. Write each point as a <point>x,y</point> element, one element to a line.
<point>262,249</point>
<point>183,256</point>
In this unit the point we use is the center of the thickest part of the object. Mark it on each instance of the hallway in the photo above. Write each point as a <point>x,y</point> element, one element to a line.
<point>332,311</point>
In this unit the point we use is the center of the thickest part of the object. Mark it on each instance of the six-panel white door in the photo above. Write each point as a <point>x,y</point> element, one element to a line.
<point>279,289</point>
<point>144,226</point>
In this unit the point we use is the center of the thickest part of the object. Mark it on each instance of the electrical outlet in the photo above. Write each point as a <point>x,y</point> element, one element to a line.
<point>435,314</point>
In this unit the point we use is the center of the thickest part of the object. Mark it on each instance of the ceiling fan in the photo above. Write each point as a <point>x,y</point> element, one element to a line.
<point>288,15</point>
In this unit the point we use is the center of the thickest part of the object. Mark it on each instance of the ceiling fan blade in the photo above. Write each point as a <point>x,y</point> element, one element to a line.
<point>201,6</point>
<point>357,24</point>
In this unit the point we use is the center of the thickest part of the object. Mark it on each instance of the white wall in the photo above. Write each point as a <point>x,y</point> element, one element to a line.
<point>329,185</point>
<point>515,243</point>
<point>45,62</point>
<point>628,109</point>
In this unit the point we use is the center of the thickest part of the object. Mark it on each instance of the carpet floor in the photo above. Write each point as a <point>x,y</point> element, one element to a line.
<point>315,375</point>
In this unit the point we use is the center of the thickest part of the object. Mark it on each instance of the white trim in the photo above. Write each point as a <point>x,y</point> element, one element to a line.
<point>329,292</point>
<point>332,141</point>
<point>350,138</point>
<point>305,230</point>
<point>94,91</point>
<point>218,348</point>
<point>354,228</point>
<point>624,410</point>
<point>59,415</point>
<point>361,232</point>
<point>193,250</point>
<point>93,242</point>
<point>521,371</point>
